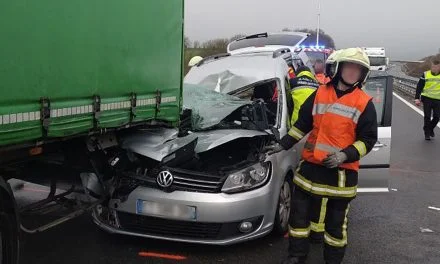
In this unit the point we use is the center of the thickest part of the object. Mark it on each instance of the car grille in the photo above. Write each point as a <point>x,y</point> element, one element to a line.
<point>197,182</point>
<point>182,229</point>
<point>169,228</point>
<point>185,180</point>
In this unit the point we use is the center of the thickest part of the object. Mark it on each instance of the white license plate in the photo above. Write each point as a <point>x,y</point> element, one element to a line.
<point>174,211</point>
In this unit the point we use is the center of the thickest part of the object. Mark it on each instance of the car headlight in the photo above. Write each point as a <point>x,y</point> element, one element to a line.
<point>247,179</point>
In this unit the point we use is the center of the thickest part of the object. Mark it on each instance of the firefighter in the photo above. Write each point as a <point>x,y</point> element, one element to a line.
<point>302,86</point>
<point>194,60</point>
<point>428,92</point>
<point>318,67</point>
<point>342,122</point>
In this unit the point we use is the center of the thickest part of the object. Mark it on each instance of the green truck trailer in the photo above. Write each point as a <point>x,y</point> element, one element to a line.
<point>75,74</point>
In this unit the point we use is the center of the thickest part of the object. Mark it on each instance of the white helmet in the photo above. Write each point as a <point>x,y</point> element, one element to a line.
<point>330,65</point>
<point>194,60</point>
<point>352,55</point>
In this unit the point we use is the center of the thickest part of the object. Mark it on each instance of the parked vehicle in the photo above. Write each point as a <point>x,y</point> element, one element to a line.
<point>378,59</point>
<point>76,76</point>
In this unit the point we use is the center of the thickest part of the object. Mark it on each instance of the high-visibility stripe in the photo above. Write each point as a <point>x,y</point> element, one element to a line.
<point>306,73</point>
<point>303,87</point>
<point>341,178</point>
<point>345,111</point>
<point>324,147</point>
<point>323,210</point>
<point>317,227</point>
<point>320,109</point>
<point>333,241</point>
<point>13,118</point>
<point>327,148</point>
<point>338,109</point>
<point>296,133</point>
<point>299,232</point>
<point>324,190</point>
<point>361,148</point>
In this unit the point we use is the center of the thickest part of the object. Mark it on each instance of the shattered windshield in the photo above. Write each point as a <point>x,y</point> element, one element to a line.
<point>209,107</point>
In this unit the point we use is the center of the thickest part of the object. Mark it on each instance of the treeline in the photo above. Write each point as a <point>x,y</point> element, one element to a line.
<point>417,69</point>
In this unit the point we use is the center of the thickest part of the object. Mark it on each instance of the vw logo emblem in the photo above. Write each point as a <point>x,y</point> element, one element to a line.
<point>165,179</point>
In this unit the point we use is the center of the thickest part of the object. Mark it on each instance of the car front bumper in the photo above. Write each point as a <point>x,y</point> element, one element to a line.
<point>219,215</point>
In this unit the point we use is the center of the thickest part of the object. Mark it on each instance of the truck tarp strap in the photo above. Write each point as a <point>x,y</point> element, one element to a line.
<point>45,114</point>
<point>96,110</point>
<point>158,101</point>
<point>133,107</point>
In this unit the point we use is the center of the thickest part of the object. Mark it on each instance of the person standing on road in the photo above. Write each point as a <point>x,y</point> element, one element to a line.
<point>318,67</point>
<point>343,124</point>
<point>428,93</point>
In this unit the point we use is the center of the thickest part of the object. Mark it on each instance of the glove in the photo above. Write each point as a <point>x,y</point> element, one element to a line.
<point>333,160</point>
<point>417,102</point>
<point>272,149</point>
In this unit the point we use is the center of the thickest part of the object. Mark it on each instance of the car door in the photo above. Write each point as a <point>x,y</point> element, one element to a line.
<point>374,172</point>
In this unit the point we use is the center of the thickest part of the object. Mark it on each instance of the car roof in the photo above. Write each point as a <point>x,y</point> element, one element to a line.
<point>302,35</point>
<point>238,70</point>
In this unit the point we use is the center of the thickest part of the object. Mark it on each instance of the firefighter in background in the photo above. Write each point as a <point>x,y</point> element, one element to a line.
<point>301,88</point>
<point>342,122</point>
<point>194,60</point>
<point>428,92</point>
<point>318,67</point>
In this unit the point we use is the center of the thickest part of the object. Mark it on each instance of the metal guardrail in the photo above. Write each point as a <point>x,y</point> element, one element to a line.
<point>407,86</point>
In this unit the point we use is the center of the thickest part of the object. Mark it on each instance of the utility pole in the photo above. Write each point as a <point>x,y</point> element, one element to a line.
<point>319,22</point>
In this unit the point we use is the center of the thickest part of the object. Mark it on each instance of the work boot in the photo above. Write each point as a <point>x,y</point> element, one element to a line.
<point>427,137</point>
<point>294,260</point>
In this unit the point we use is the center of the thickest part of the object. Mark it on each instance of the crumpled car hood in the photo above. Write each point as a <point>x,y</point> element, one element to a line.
<point>159,143</point>
<point>155,143</point>
<point>211,139</point>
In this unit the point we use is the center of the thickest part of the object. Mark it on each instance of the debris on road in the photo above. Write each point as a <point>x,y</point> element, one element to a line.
<point>162,256</point>
<point>426,230</point>
<point>434,208</point>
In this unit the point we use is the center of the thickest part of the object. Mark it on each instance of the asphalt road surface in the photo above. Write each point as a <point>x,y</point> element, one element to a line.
<point>397,227</point>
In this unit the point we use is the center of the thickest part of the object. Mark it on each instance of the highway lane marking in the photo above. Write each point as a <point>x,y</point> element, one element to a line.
<point>161,255</point>
<point>413,107</point>
<point>434,208</point>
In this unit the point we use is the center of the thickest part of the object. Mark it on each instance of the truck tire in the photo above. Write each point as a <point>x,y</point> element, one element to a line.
<point>9,233</point>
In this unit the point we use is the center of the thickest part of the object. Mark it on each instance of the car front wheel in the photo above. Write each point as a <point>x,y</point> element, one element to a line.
<point>282,215</point>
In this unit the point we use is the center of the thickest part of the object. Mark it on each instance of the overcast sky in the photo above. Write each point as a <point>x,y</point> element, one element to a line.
<point>407,29</point>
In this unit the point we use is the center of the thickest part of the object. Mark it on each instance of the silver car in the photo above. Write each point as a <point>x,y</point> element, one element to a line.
<point>213,183</point>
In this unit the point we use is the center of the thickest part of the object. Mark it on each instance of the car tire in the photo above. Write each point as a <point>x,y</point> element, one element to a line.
<point>282,215</point>
<point>9,249</point>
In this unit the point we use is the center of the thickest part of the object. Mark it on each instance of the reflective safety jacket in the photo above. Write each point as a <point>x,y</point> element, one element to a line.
<point>432,86</point>
<point>301,88</point>
<point>334,125</point>
<point>313,177</point>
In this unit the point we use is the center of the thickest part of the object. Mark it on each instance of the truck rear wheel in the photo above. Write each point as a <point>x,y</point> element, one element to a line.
<point>8,236</point>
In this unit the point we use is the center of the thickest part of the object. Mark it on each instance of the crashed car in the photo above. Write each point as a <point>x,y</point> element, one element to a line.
<point>212,183</point>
